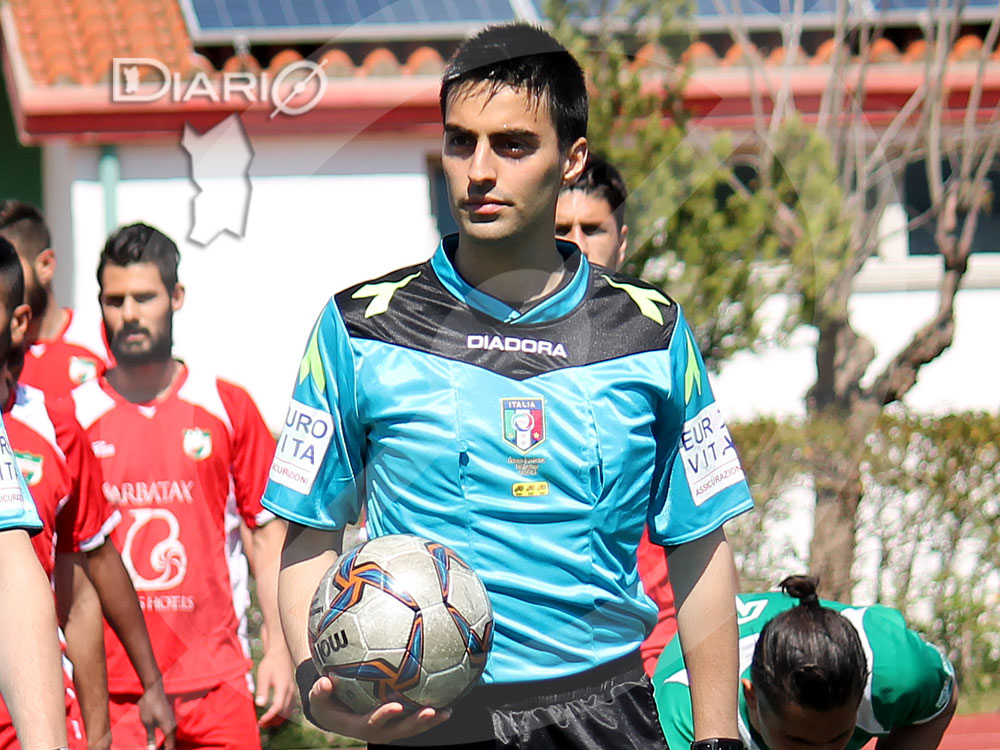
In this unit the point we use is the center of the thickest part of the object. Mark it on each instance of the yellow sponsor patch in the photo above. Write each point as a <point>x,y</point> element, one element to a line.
<point>530,489</point>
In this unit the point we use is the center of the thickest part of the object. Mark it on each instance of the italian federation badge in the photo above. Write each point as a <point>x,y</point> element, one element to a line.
<point>523,422</point>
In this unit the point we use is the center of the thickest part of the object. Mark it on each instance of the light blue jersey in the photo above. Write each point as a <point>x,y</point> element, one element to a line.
<point>537,444</point>
<point>17,510</point>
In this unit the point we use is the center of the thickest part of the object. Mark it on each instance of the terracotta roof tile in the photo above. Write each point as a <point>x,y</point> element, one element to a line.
<point>966,48</point>
<point>380,62</point>
<point>241,63</point>
<point>73,40</point>
<point>883,50</point>
<point>424,61</point>
<point>283,58</point>
<point>739,55</point>
<point>916,51</point>
<point>194,63</point>
<point>824,53</point>
<point>337,64</point>
<point>651,56</point>
<point>700,53</point>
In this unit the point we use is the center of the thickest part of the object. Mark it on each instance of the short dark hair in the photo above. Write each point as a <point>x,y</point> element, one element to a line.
<point>141,243</point>
<point>526,57</point>
<point>809,655</point>
<point>11,276</point>
<point>599,178</point>
<point>24,226</point>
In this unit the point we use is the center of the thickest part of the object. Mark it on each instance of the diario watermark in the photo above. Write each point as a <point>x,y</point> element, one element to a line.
<point>294,90</point>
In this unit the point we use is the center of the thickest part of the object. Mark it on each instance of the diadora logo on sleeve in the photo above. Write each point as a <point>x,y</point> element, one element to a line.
<point>523,422</point>
<point>513,344</point>
<point>301,446</point>
<point>381,294</point>
<point>644,299</point>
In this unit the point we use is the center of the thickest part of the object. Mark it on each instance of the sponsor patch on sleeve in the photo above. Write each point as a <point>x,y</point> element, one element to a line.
<point>12,499</point>
<point>301,447</point>
<point>710,460</point>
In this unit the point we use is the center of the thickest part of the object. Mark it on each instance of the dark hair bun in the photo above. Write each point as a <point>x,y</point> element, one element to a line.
<point>802,588</point>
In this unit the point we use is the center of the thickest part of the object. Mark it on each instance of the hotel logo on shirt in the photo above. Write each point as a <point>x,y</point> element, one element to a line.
<point>523,422</point>
<point>198,444</point>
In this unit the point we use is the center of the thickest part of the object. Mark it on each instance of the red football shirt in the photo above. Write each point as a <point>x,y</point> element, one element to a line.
<point>183,469</point>
<point>62,475</point>
<point>73,356</point>
<point>63,478</point>
<point>653,572</point>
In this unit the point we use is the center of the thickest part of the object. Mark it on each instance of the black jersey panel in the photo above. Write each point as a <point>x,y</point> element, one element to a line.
<point>417,312</point>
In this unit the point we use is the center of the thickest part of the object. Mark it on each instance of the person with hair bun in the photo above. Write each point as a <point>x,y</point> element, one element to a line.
<point>821,674</point>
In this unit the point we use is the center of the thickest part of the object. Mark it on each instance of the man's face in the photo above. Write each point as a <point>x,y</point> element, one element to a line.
<point>138,312</point>
<point>503,164</point>
<point>799,728</point>
<point>13,325</point>
<point>587,220</point>
<point>5,333</point>
<point>35,293</point>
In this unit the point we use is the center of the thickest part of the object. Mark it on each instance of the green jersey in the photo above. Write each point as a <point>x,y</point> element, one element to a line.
<point>910,681</point>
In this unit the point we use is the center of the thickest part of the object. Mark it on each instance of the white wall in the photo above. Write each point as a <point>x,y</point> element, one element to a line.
<point>324,214</point>
<point>328,212</point>
<point>963,378</point>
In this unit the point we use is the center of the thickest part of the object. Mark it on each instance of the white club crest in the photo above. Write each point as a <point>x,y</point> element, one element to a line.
<point>198,443</point>
<point>82,369</point>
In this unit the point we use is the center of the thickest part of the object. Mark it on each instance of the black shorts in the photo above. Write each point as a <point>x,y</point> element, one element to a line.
<point>610,706</point>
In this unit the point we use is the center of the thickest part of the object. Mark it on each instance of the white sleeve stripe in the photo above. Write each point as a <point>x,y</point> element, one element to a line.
<point>866,711</point>
<point>91,403</point>
<point>264,516</point>
<point>89,545</point>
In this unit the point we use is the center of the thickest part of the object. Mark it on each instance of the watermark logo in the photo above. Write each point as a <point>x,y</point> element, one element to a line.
<point>220,164</point>
<point>295,90</point>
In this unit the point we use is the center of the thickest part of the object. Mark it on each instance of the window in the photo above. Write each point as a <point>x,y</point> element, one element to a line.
<point>917,198</point>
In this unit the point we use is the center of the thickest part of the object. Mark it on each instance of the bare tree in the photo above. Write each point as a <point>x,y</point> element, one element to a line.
<point>824,175</point>
<point>830,174</point>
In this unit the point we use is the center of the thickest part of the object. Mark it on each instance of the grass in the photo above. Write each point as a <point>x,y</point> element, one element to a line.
<point>979,701</point>
<point>299,734</point>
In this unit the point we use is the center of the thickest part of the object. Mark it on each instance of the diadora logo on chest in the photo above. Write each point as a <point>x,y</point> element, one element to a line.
<point>490,342</point>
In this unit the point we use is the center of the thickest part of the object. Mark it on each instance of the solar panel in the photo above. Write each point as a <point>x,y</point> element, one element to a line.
<point>713,14</point>
<point>757,15</point>
<point>277,21</point>
<point>914,10</point>
<point>765,14</point>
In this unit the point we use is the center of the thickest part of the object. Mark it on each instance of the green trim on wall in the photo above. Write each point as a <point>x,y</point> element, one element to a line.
<point>109,171</point>
<point>21,173</point>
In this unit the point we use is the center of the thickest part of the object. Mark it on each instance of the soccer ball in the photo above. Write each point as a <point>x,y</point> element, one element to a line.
<point>400,618</point>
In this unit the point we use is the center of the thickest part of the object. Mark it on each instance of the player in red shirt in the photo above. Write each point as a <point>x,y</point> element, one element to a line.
<point>68,524</point>
<point>30,677</point>
<point>54,457</point>
<point>185,457</point>
<point>63,351</point>
<point>591,213</point>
